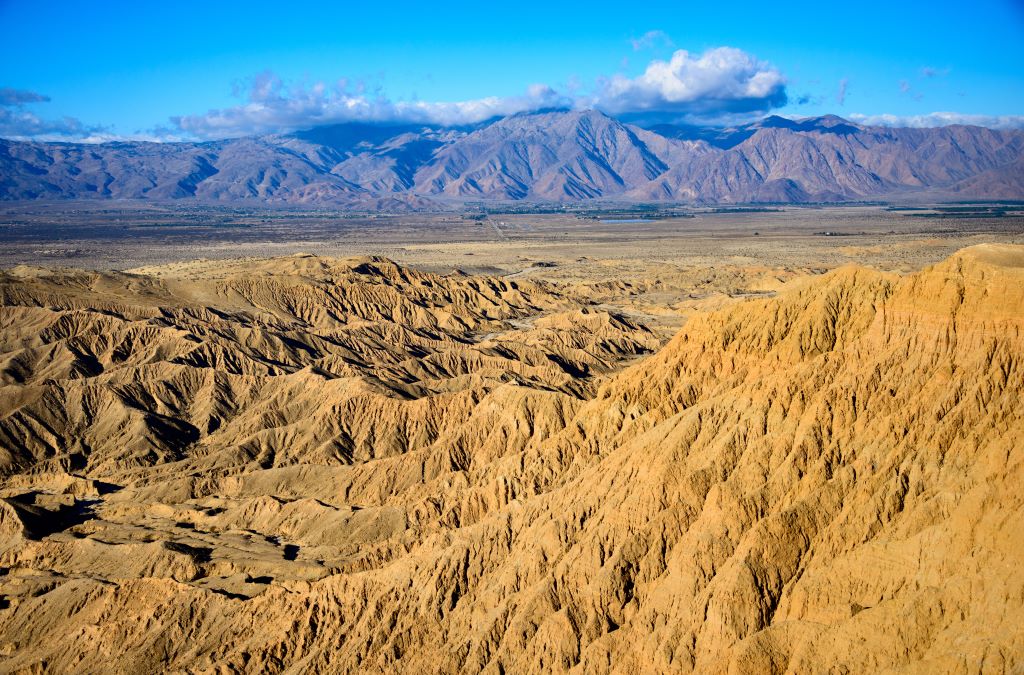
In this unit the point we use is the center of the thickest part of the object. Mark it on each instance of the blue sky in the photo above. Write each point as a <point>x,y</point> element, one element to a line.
<point>208,69</point>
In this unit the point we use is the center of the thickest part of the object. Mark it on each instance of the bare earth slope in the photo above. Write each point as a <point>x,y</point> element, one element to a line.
<point>831,159</point>
<point>350,466</point>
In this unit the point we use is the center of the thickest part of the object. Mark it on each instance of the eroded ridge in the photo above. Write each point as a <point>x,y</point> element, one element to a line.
<point>316,465</point>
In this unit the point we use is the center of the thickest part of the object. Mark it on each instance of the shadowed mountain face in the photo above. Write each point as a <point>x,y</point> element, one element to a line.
<point>544,156</point>
<point>551,156</point>
<point>306,464</point>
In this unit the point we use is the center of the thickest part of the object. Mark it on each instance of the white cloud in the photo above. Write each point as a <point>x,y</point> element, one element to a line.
<point>724,79</point>
<point>17,122</point>
<point>719,82</point>
<point>154,136</point>
<point>274,108</point>
<point>723,85</point>
<point>940,119</point>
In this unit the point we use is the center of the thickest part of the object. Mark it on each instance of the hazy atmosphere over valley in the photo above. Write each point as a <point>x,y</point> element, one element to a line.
<point>533,338</point>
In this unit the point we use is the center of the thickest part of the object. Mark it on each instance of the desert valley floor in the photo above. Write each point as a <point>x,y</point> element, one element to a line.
<point>775,441</point>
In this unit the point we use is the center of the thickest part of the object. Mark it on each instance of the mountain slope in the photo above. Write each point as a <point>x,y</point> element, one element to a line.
<point>830,159</point>
<point>542,156</point>
<point>823,481</point>
<point>248,168</point>
<point>549,156</point>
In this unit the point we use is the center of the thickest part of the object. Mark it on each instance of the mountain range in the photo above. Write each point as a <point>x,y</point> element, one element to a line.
<point>545,156</point>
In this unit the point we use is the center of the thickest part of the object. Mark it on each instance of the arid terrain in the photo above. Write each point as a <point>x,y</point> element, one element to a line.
<point>550,338</point>
<point>550,156</point>
<point>782,440</point>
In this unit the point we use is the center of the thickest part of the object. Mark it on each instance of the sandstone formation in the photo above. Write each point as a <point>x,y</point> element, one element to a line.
<point>305,465</point>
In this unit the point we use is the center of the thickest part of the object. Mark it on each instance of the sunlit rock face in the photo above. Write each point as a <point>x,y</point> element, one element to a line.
<point>306,464</point>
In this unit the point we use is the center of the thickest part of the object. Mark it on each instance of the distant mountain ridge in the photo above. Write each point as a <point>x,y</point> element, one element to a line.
<point>547,156</point>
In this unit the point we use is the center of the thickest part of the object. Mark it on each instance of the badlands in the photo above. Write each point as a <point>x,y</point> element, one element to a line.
<point>310,463</point>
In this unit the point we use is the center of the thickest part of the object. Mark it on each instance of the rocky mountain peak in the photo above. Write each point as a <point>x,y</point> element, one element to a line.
<point>544,155</point>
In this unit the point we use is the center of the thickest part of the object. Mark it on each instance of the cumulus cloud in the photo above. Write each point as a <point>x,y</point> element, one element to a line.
<point>651,38</point>
<point>940,119</point>
<point>719,83</point>
<point>17,122</point>
<point>273,107</point>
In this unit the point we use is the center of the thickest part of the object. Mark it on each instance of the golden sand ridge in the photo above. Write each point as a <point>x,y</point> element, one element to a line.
<point>308,464</point>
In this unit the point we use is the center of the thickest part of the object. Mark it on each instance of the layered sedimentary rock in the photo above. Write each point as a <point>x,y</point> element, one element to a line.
<point>350,466</point>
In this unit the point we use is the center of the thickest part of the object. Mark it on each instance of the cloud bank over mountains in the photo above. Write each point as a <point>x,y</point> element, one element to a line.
<point>721,80</point>
<point>939,119</point>
<point>271,106</point>
<point>16,121</point>
<point>687,87</point>
<point>723,86</point>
